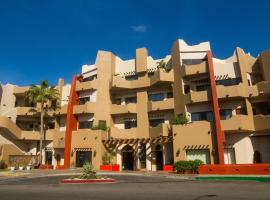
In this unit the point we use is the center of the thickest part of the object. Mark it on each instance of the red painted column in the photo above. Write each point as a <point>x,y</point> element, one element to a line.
<point>71,121</point>
<point>219,132</point>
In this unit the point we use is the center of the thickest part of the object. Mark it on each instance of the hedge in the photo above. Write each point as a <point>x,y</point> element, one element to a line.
<point>187,166</point>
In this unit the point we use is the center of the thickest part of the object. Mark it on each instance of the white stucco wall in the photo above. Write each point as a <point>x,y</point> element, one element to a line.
<point>242,144</point>
<point>65,94</point>
<point>7,104</point>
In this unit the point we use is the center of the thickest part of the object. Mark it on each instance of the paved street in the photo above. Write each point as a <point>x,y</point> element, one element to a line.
<point>131,186</point>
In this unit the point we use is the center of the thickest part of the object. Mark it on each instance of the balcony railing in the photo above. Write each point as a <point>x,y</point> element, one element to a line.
<point>167,104</point>
<point>123,109</point>
<point>238,123</point>
<point>160,130</point>
<point>195,69</point>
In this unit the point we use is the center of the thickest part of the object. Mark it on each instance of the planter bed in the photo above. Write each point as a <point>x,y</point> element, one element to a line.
<point>167,168</point>
<point>87,181</point>
<point>114,168</point>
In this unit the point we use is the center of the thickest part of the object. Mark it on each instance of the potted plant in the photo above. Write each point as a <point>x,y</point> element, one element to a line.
<point>107,163</point>
<point>168,167</point>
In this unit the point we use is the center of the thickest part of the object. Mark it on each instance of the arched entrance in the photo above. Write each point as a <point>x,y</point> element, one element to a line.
<point>159,157</point>
<point>127,158</point>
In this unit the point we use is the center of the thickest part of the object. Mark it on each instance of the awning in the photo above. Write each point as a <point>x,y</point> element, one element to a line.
<point>157,140</point>
<point>196,147</point>
<point>82,149</point>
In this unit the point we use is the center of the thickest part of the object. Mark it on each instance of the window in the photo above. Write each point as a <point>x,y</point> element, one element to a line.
<point>151,74</point>
<point>186,89</point>
<point>132,77</point>
<point>84,100</point>
<point>156,97</point>
<point>240,111</point>
<point>228,82</point>
<point>155,122</point>
<point>85,124</point>
<point>169,95</point>
<point>225,114</point>
<point>198,154</point>
<point>130,124</point>
<point>90,78</point>
<point>200,116</point>
<point>130,100</point>
<point>117,101</point>
<point>202,87</point>
<point>51,125</point>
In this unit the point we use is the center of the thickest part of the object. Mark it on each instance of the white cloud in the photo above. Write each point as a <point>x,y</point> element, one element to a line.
<point>140,28</point>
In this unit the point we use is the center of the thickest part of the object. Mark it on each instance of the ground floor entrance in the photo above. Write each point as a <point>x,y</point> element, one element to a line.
<point>127,158</point>
<point>83,157</point>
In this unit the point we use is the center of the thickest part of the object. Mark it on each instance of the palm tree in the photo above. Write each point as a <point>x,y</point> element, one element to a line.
<point>42,94</point>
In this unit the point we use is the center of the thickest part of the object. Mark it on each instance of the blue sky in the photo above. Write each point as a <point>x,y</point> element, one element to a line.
<point>53,38</point>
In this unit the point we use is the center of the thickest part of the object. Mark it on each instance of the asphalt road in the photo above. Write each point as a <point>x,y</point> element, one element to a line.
<point>131,187</point>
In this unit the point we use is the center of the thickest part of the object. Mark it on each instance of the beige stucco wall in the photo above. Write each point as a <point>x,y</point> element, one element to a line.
<point>88,139</point>
<point>195,135</point>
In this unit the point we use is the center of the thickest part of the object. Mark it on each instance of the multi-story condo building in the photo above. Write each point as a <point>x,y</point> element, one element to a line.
<point>226,103</point>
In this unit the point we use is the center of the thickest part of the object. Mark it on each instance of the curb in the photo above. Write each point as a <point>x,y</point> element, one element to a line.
<point>86,181</point>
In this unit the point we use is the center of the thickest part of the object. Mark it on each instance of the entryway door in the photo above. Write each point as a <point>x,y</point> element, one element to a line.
<point>159,157</point>
<point>83,157</point>
<point>127,158</point>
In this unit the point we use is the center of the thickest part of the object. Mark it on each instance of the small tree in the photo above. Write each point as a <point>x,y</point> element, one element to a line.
<point>42,94</point>
<point>88,171</point>
<point>179,119</point>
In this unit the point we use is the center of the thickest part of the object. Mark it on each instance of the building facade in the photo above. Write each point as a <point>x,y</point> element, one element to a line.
<point>124,108</point>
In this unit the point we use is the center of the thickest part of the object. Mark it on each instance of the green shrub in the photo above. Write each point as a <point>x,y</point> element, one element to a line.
<point>179,119</point>
<point>101,126</point>
<point>3,165</point>
<point>107,158</point>
<point>88,172</point>
<point>187,166</point>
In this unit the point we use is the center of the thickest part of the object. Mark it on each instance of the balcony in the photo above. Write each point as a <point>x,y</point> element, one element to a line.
<point>195,70</point>
<point>160,130</point>
<point>29,111</point>
<point>197,96</point>
<point>87,85</point>
<point>167,104</point>
<point>123,109</point>
<point>19,91</point>
<point>89,107</point>
<point>35,135</point>
<point>237,123</point>
<point>159,76</point>
<point>261,122</point>
<point>123,133</point>
<point>231,91</point>
<point>264,88</point>
<point>59,139</point>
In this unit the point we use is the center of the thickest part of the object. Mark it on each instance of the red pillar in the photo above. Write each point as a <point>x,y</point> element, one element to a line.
<point>219,132</point>
<point>71,121</point>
